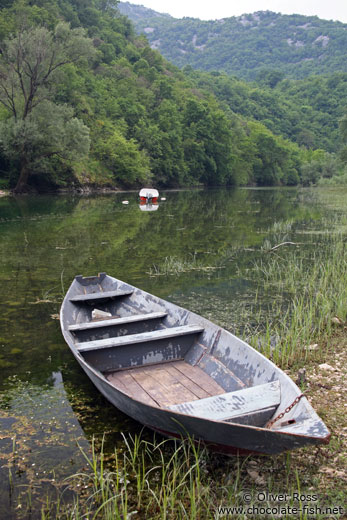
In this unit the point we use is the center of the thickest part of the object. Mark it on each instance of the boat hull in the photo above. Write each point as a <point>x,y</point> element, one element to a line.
<point>226,358</point>
<point>221,437</point>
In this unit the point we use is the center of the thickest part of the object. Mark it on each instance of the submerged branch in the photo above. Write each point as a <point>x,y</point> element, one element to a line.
<point>282,244</point>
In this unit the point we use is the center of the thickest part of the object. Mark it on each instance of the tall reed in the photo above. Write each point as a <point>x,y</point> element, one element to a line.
<point>155,480</point>
<point>314,286</point>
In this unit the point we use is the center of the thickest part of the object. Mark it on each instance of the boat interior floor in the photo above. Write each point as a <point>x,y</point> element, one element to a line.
<point>165,384</point>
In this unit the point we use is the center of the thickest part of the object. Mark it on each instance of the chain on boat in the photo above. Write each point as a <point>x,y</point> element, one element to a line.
<point>287,410</point>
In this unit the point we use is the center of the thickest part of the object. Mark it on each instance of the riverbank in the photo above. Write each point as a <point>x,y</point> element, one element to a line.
<point>161,479</point>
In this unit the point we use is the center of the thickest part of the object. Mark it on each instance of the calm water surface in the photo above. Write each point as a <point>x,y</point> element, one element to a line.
<point>196,250</point>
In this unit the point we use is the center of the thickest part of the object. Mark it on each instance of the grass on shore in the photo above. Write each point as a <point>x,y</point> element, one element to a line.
<point>164,479</point>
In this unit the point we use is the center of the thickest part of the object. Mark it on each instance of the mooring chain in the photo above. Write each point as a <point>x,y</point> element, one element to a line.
<point>282,414</point>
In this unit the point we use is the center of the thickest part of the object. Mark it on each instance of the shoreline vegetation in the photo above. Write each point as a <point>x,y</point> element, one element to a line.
<point>87,189</point>
<point>165,479</point>
<point>306,335</point>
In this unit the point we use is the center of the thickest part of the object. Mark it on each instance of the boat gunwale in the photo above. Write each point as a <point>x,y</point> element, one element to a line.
<point>100,376</point>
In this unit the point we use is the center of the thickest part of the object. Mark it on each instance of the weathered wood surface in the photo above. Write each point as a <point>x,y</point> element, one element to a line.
<point>199,377</point>
<point>221,374</point>
<point>234,404</point>
<point>195,382</point>
<point>219,354</point>
<point>117,321</point>
<point>91,297</point>
<point>165,384</point>
<point>128,384</point>
<point>138,338</point>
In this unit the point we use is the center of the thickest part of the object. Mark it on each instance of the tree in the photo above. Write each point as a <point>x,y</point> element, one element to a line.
<point>49,131</point>
<point>322,166</point>
<point>272,156</point>
<point>30,64</point>
<point>123,158</point>
<point>208,143</point>
<point>270,78</point>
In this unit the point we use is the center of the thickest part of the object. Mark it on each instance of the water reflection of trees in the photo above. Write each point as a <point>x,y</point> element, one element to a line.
<point>46,241</point>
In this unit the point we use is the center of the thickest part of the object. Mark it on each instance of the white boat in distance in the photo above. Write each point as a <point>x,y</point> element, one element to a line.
<point>149,195</point>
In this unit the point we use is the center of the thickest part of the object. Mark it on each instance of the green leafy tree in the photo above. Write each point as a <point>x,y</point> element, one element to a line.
<point>30,64</point>
<point>49,132</point>
<point>270,78</point>
<point>208,143</point>
<point>321,166</point>
<point>123,159</point>
<point>271,155</point>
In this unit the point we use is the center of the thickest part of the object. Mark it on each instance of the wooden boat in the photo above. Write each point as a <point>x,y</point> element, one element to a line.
<point>180,374</point>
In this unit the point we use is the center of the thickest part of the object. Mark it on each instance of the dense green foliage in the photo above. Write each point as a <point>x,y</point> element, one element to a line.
<point>296,45</point>
<point>84,101</point>
<point>305,111</point>
<point>37,128</point>
<point>144,118</point>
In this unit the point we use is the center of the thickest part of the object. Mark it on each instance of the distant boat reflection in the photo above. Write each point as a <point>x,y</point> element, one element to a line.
<point>148,207</point>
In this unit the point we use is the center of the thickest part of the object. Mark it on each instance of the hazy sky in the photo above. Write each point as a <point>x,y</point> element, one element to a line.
<point>215,9</point>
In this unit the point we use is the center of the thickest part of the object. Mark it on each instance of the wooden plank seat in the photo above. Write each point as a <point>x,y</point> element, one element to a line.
<point>260,401</point>
<point>117,321</point>
<point>99,296</point>
<point>144,337</point>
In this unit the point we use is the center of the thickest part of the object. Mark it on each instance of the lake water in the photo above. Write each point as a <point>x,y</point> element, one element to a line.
<point>196,250</point>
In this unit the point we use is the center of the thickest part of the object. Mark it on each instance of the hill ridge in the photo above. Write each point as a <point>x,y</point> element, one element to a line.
<point>297,45</point>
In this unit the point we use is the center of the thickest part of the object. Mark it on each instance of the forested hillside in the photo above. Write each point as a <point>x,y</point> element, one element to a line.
<point>86,103</point>
<point>305,111</point>
<point>297,45</point>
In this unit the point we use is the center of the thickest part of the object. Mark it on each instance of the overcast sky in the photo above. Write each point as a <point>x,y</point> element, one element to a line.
<point>216,9</point>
